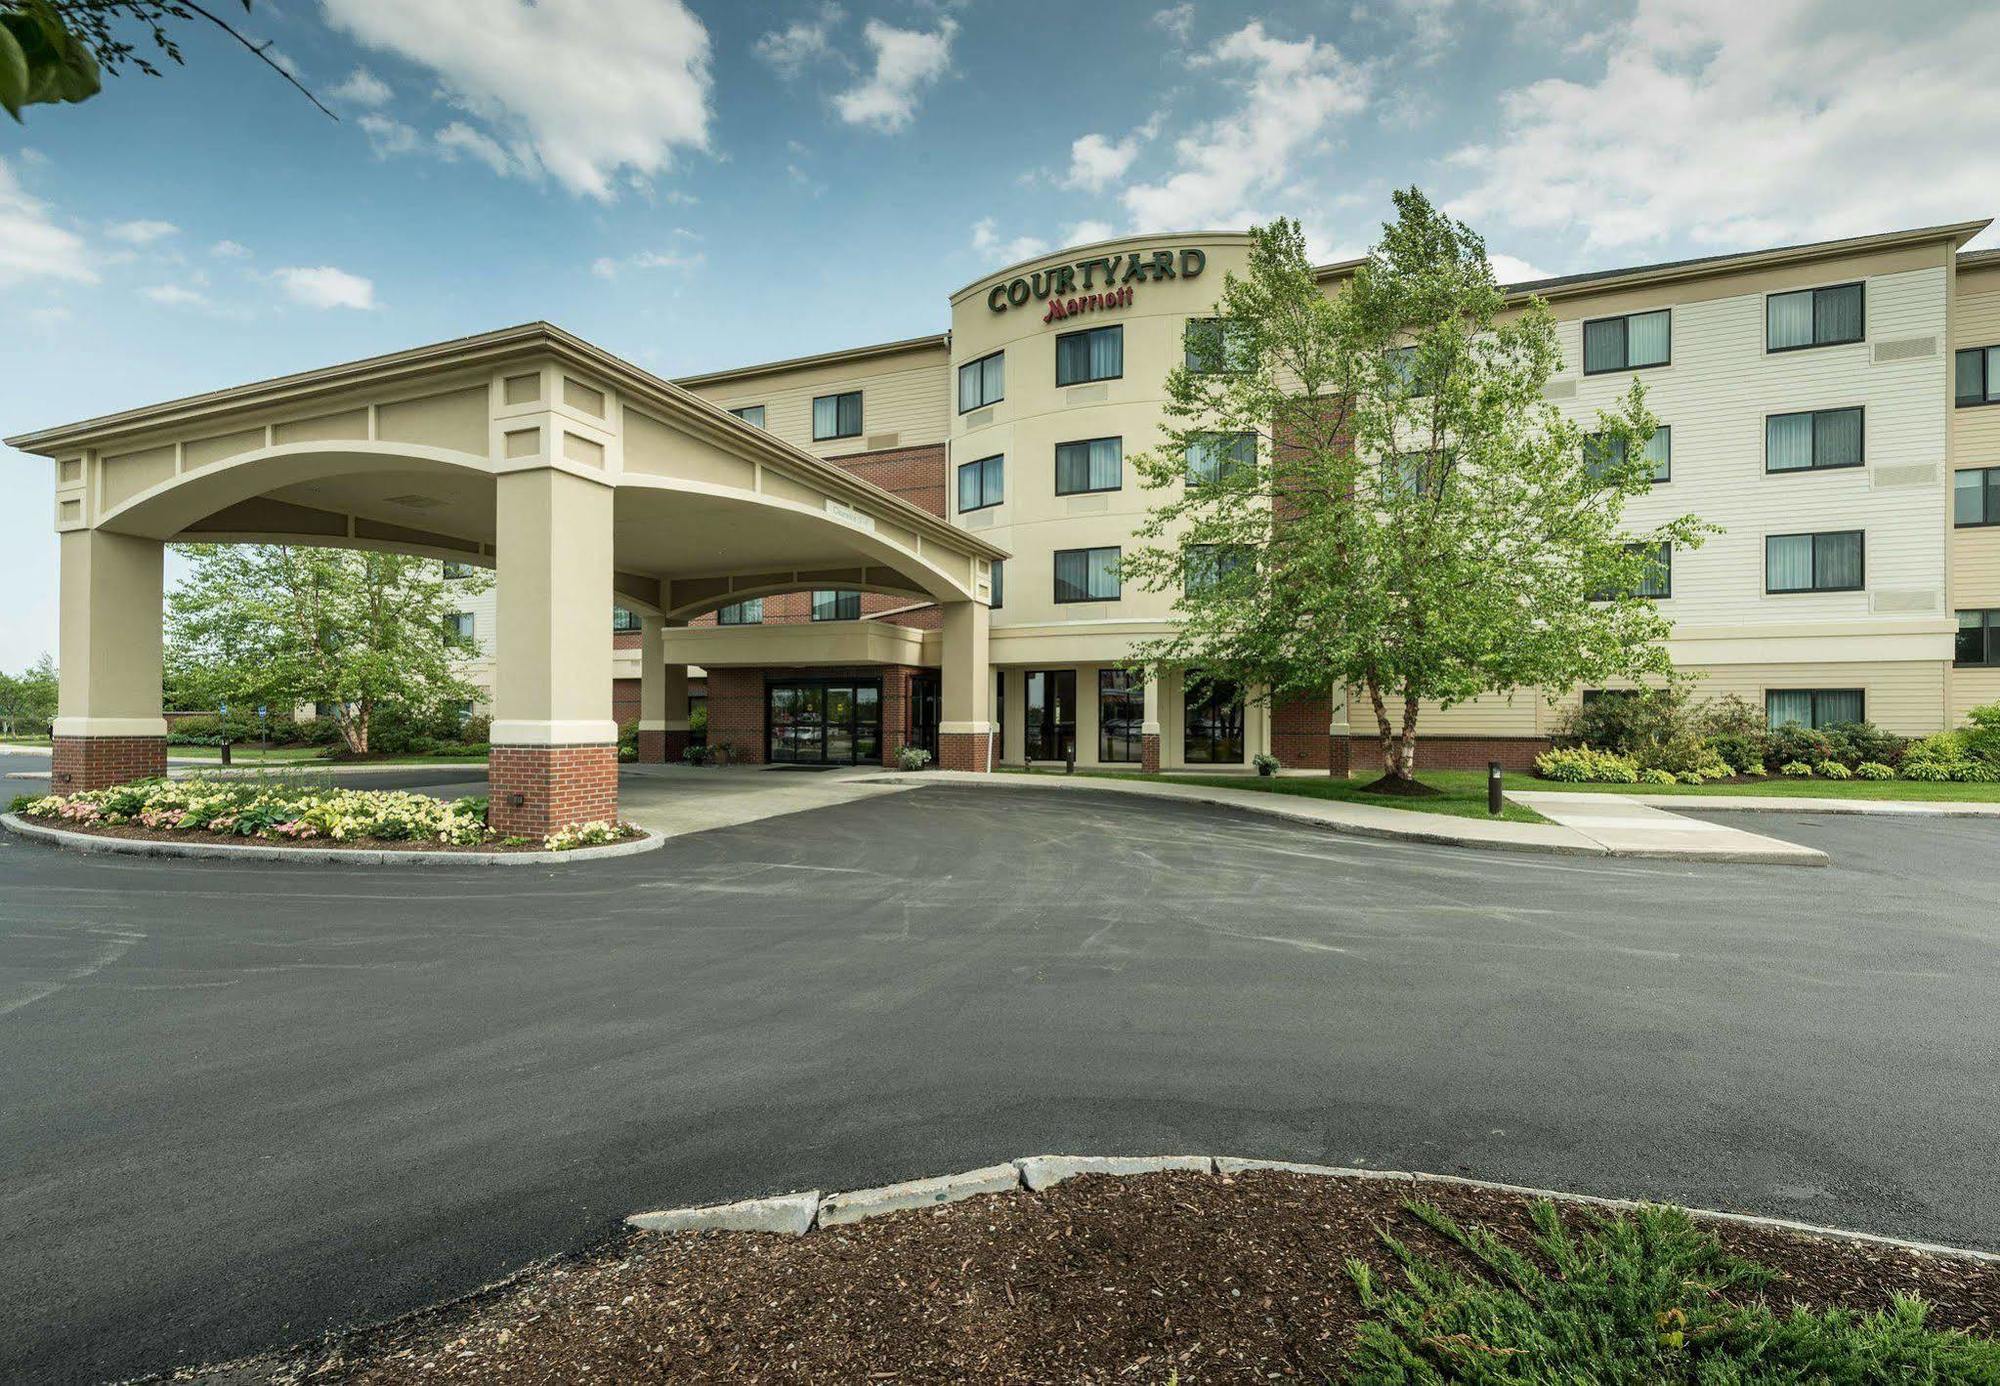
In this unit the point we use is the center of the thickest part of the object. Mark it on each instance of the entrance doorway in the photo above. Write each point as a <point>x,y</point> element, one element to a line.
<point>1050,715</point>
<point>824,722</point>
<point>926,702</point>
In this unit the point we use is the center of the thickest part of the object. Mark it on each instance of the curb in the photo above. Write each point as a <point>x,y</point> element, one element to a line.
<point>797,1214</point>
<point>320,856</point>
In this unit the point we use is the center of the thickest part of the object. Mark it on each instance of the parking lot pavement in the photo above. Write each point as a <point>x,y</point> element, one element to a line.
<point>244,1103</point>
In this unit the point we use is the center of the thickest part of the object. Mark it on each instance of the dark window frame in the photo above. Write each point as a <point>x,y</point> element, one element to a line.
<point>1625,352</point>
<point>984,465</point>
<point>1218,564</point>
<point>624,620</point>
<point>1062,337</point>
<point>742,610</point>
<point>979,365</point>
<point>1208,701</point>
<point>842,597</point>
<point>1989,635</point>
<point>839,432</point>
<point>1229,460</point>
<point>1816,290</point>
<point>1813,718</point>
<point>1861,457</point>
<point>1128,689</point>
<point>741,411</point>
<point>1188,353</point>
<point>1859,585</point>
<point>1055,586</point>
<point>1117,438</point>
<point>1989,505</point>
<point>1989,379</point>
<point>997,584</point>
<point>1038,731</point>
<point>1598,440</point>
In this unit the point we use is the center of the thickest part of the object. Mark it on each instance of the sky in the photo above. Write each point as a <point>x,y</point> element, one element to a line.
<point>694,184</point>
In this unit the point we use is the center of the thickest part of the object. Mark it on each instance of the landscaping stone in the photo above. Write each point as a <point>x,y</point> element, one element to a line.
<point>1041,1171</point>
<point>917,1193</point>
<point>1229,1164</point>
<point>789,1214</point>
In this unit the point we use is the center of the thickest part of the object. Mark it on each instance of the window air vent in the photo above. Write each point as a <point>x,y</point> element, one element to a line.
<point>1902,478</point>
<point>1905,349</point>
<point>1559,389</point>
<point>1090,394</point>
<point>1904,599</point>
<point>884,440</point>
<point>979,418</point>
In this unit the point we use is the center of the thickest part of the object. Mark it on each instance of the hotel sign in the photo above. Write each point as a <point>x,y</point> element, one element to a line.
<point>1085,286</point>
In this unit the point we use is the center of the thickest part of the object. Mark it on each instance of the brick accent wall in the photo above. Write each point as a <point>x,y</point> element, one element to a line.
<point>962,751</point>
<point>1450,752</point>
<point>558,785</point>
<point>624,701</point>
<point>1149,753</point>
<point>736,705</point>
<point>94,762</point>
<point>653,748</point>
<point>916,474</point>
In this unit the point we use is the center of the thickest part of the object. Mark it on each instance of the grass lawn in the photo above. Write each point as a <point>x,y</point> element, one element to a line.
<point>1464,796</point>
<point>1909,791</point>
<point>252,756</point>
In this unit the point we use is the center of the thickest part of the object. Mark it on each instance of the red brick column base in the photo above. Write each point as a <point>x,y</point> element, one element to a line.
<point>675,745</point>
<point>653,747</point>
<point>1149,753</point>
<point>94,762</point>
<point>557,786</point>
<point>962,751</point>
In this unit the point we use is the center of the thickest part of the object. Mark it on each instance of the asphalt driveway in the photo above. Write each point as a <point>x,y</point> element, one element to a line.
<point>242,1103</point>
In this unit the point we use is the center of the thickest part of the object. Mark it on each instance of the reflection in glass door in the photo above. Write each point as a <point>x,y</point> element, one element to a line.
<point>835,722</point>
<point>1050,713</point>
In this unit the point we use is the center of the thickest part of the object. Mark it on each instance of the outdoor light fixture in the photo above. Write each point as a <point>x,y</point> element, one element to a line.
<point>516,800</point>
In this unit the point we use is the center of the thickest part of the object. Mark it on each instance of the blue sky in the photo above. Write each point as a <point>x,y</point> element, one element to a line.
<point>698,184</point>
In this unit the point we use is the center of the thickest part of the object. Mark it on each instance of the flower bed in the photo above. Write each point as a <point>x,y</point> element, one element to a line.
<point>264,813</point>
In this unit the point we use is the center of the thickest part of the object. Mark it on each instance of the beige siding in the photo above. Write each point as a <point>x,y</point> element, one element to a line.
<point>1905,696</point>
<point>1971,688</point>
<point>905,400</point>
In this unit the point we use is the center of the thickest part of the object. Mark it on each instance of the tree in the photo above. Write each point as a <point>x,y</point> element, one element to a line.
<point>28,699</point>
<point>1369,489</point>
<point>278,627</point>
<point>58,50</point>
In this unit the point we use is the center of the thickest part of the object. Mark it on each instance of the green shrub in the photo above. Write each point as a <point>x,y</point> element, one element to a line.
<point>1267,765</point>
<point>1976,772</point>
<point>695,755</point>
<point>1582,765</point>
<point>1796,743</point>
<point>1934,770</point>
<point>1798,768</point>
<point>1855,742</point>
<point>1648,1295</point>
<point>1757,770</point>
<point>1658,776</point>
<point>628,741</point>
<point>912,757</point>
<point>1874,770</point>
<point>1832,770</point>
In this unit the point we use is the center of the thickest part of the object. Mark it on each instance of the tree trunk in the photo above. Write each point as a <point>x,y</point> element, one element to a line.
<point>1384,731</point>
<point>1406,755</point>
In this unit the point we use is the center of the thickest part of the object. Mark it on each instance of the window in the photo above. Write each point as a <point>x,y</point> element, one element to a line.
<point>838,722</point>
<point>1217,457</point>
<point>1829,562</point>
<point>1978,376</point>
<point>1095,464</point>
<point>1403,367</point>
<point>1814,441</point>
<point>1814,707</point>
<point>1975,497</point>
<point>836,606</point>
<point>621,619</point>
<point>1814,317</point>
<point>1410,474</point>
<point>1204,565</point>
<point>982,483</point>
<point>1121,715</point>
<point>837,416</point>
<point>747,613</point>
<point>1098,354</point>
<point>1978,639</point>
<point>460,623</point>
<point>999,583</point>
<point>1607,455</point>
<point>982,382</point>
<point>753,414</point>
<point>1087,575</point>
<point>1213,349</point>
<point>999,714</point>
<point>1628,343</point>
<point>453,570</point>
<point>1050,715</point>
<point>1655,580</point>
<point>1212,731</point>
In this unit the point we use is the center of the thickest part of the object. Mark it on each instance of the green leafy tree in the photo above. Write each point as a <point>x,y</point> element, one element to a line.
<point>28,699</point>
<point>279,627</point>
<point>60,50</point>
<point>1369,489</point>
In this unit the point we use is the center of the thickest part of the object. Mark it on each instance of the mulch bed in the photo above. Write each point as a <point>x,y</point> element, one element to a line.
<point>1095,1280</point>
<point>136,833</point>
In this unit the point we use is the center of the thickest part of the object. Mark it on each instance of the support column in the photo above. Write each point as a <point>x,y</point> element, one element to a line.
<point>663,697</point>
<point>1338,744</point>
<point>1149,730</point>
<point>964,722</point>
<point>554,760</point>
<point>108,729</point>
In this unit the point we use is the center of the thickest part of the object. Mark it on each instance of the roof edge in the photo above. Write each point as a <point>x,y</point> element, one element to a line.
<point>822,358</point>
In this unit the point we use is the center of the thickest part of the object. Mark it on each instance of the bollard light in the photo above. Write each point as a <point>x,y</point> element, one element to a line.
<point>1494,787</point>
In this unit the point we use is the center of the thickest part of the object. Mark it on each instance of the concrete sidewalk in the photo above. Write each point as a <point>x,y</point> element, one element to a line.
<point>1625,828</point>
<point>1781,803</point>
<point>1574,831</point>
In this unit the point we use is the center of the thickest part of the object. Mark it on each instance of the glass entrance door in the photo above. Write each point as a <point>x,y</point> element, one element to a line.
<point>1050,714</point>
<point>926,694</point>
<point>829,722</point>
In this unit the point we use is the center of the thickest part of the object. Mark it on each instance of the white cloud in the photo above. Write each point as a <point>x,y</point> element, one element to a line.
<point>323,286</point>
<point>988,245</point>
<point>362,88</point>
<point>33,247</point>
<point>1733,124</point>
<point>1509,269</point>
<point>608,267</point>
<point>1177,20</point>
<point>387,134</point>
<point>593,88</point>
<point>458,139</point>
<point>1085,232</point>
<point>906,60</point>
<point>140,232</point>
<point>1095,161</point>
<point>1291,91</point>
<point>802,42</point>
<point>176,296</point>
<point>230,250</point>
